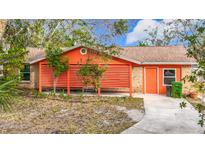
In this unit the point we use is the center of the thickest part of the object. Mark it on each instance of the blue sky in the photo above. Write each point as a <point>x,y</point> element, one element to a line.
<point>136,31</point>
<point>122,40</point>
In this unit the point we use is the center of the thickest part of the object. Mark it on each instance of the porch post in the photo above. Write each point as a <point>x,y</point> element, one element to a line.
<point>39,82</point>
<point>143,80</point>
<point>99,91</point>
<point>130,80</point>
<point>68,82</point>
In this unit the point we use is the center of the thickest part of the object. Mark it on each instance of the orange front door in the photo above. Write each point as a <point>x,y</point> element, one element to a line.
<point>151,80</point>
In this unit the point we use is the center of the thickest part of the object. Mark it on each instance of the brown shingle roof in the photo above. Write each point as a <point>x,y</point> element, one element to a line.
<point>38,54</point>
<point>34,54</point>
<point>139,55</point>
<point>160,54</point>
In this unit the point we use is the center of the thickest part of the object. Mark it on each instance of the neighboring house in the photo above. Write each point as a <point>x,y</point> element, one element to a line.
<point>136,69</point>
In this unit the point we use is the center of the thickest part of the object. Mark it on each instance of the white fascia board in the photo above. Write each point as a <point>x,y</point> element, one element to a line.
<point>172,63</point>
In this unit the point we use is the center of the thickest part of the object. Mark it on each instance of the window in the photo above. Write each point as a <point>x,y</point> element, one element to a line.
<point>169,76</point>
<point>83,51</point>
<point>26,73</point>
<point>1,70</point>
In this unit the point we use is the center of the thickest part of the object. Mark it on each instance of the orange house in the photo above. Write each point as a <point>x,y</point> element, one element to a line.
<point>135,69</point>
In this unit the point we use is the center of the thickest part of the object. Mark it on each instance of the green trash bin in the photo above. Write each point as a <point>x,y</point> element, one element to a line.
<point>169,91</point>
<point>177,89</point>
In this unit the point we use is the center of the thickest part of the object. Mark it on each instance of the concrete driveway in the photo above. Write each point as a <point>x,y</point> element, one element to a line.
<point>163,115</point>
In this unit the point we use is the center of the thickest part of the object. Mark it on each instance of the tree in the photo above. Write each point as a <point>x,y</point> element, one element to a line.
<point>68,32</point>
<point>13,45</point>
<point>13,38</point>
<point>196,50</point>
<point>55,34</point>
<point>51,34</point>
<point>143,44</point>
<point>91,74</point>
<point>190,33</point>
<point>59,65</point>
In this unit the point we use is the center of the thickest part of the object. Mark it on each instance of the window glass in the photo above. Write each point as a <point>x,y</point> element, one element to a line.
<point>26,73</point>
<point>169,76</point>
<point>168,81</point>
<point>169,72</point>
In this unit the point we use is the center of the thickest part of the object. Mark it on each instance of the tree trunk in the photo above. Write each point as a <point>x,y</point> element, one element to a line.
<point>54,84</point>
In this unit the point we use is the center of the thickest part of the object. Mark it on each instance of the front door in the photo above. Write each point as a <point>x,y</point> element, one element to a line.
<point>151,80</point>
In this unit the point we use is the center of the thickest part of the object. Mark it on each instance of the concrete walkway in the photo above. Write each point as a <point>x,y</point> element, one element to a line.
<point>163,115</point>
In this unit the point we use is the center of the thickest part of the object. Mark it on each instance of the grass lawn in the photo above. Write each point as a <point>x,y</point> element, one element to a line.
<point>76,114</point>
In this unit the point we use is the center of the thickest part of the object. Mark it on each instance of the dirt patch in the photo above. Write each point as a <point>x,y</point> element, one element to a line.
<point>68,115</point>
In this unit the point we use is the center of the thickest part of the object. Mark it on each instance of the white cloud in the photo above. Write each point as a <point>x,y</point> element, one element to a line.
<point>166,25</point>
<point>139,33</point>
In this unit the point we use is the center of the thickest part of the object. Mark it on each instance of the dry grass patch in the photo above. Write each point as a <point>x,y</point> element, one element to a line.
<point>68,115</point>
<point>197,104</point>
<point>128,102</point>
<point>193,101</point>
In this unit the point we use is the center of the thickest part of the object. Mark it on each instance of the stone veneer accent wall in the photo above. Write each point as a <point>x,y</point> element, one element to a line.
<point>34,77</point>
<point>186,70</point>
<point>137,79</point>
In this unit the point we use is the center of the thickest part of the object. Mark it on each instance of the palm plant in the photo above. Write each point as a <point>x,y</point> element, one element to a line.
<point>7,93</point>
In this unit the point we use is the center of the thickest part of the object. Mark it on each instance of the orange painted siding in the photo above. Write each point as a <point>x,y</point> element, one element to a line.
<point>75,81</point>
<point>143,90</point>
<point>68,82</point>
<point>130,79</point>
<point>116,75</point>
<point>40,76</point>
<point>76,57</point>
<point>47,77</point>
<point>161,88</point>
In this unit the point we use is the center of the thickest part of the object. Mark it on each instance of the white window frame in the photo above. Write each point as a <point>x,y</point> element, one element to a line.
<point>1,69</point>
<point>168,77</point>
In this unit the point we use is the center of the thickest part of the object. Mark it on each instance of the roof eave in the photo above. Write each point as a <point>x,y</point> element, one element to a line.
<point>167,63</point>
<point>77,46</point>
<point>64,50</point>
<point>35,61</point>
<point>128,59</point>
